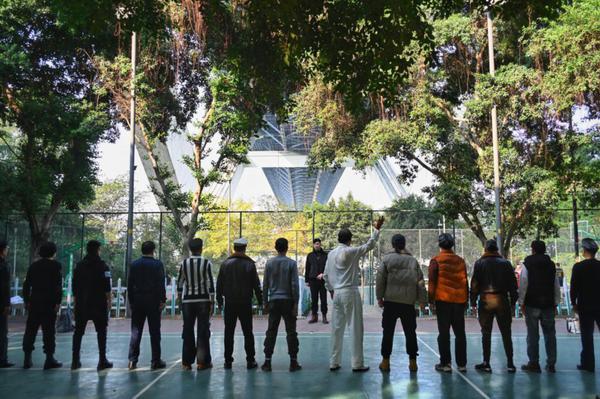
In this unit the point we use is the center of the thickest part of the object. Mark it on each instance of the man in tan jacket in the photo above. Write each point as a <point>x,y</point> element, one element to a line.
<point>399,286</point>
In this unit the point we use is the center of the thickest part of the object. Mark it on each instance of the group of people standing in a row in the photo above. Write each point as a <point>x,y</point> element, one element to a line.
<point>493,292</point>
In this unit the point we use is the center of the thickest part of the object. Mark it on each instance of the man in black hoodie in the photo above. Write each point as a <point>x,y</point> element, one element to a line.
<point>42,294</point>
<point>4,305</point>
<point>313,276</point>
<point>585,297</point>
<point>539,294</point>
<point>237,282</point>
<point>92,296</point>
<point>495,285</point>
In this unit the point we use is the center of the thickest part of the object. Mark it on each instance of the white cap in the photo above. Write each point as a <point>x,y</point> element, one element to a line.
<point>240,241</point>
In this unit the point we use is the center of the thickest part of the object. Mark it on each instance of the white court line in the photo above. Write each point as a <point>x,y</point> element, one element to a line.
<point>154,381</point>
<point>461,375</point>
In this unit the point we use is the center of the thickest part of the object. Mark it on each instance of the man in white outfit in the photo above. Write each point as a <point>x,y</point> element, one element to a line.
<point>342,279</point>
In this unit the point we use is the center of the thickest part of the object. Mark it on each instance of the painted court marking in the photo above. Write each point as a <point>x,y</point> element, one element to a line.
<point>461,375</point>
<point>154,381</point>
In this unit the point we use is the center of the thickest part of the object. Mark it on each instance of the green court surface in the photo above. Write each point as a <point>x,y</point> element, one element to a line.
<point>315,380</point>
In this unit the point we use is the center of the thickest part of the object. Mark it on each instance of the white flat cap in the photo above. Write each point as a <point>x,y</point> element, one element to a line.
<point>240,241</point>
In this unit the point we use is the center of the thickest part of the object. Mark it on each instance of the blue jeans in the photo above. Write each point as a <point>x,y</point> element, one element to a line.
<point>533,318</point>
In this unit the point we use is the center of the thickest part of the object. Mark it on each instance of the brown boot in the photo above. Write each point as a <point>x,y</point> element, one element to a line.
<point>314,319</point>
<point>384,366</point>
<point>325,321</point>
<point>412,365</point>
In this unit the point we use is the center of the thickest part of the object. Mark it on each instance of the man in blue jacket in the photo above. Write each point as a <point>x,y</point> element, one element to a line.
<point>147,297</point>
<point>280,296</point>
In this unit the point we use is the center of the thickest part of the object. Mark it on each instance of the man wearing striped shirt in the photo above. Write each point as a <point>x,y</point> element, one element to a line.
<point>196,290</point>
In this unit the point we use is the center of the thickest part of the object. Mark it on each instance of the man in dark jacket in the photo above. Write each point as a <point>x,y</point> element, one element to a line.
<point>237,282</point>
<point>539,293</point>
<point>313,276</point>
<point>147,297</point>
<point>42,294</point>
<point>585,297</point>
<point>495,284</point>
<point>92,297</point>
<point>4,305</point>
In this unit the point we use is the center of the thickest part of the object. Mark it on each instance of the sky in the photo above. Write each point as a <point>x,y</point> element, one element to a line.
<point>114,162</point>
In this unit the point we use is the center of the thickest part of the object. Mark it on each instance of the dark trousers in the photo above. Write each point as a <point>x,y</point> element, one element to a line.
<point>534,317</point>
<point>196,314</point>
<point>490,306</point>
<point>586,325</point>
<point>408,317</point>
<point>317,290</point>
<point>100,320</point>
<point>139,313</point>
<point>243,312</point>
<point>451,315</point>
<point>278,309</point>
<point>45,317</point>
<point>3,339</point>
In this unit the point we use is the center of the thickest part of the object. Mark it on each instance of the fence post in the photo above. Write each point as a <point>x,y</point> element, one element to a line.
<point>118,306</point>
<point>160,234</point>
<point>173,295</point>
<point>16,288</point>
<point>82,236</point>
<point>241,224</point>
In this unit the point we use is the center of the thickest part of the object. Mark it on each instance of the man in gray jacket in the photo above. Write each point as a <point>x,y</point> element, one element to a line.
<point>400,284</point>
<point>280,296</point>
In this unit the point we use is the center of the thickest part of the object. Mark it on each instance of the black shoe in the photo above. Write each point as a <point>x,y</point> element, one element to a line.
<point>251,364</point>
<point>51,363</point>
<point>551,369</point>
<point>335,368</point>
<point>158,364</point>
<point>294,366</point>
<point>132,365</point>
<point>325,321</point>
<point>362,369</point>
<point>75,363</point>
<point>266,366</point>
<point>510,368</point>
<point>104,364</point>
<point>228,365</point>
<point>27,362</point>
<point>6,365</point>
<point>532,367</point>
<point>583,368</point>
<point>484,367</point>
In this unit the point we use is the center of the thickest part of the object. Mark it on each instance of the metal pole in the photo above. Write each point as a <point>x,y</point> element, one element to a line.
<point>15,254</point>
<point>160,235</point>
<point>313,225</point>
<point>82,236</point>
<point>129,250</point>
<point>575,227</point>
<point>229,222</point>
<point>499,232</point>
<point>240,224</point>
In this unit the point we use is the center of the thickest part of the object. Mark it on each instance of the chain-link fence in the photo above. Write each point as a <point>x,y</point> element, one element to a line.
<point>70,231</point>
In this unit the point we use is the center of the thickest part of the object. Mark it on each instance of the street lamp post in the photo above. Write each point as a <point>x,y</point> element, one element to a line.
<point>490,32</point>
<point>129,250</point>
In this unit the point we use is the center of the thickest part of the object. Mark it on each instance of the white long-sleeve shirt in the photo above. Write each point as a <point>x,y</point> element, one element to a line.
<point>524,283</point>
<point>342,269</point>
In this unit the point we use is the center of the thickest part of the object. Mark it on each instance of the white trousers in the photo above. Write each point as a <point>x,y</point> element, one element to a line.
<point>347,310</point>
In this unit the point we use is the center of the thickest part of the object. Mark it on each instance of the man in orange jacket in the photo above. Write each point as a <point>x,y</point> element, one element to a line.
<point>448,292</point>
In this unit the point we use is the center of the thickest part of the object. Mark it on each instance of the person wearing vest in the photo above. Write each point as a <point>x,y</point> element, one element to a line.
<point>585,297</point>
<point>399,286</point>
<point>539,294</point>
<point>448,294</point>
<point>495,285</point>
